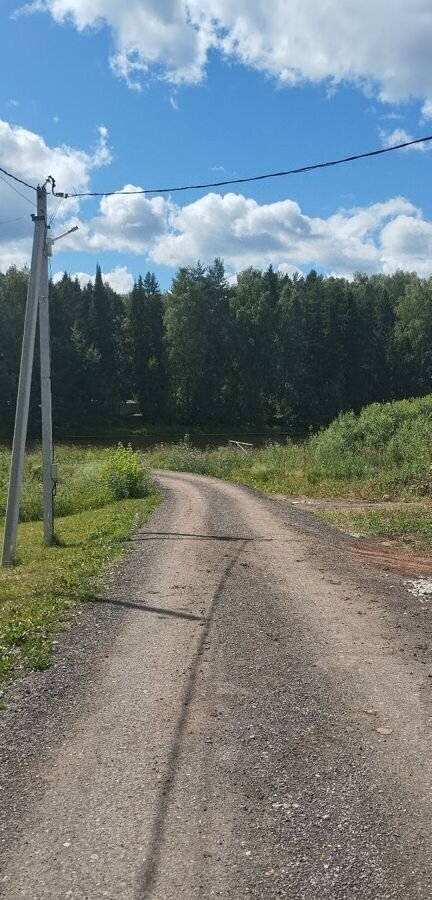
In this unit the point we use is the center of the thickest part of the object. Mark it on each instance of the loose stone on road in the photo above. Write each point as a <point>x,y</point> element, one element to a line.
<point>245,712</point>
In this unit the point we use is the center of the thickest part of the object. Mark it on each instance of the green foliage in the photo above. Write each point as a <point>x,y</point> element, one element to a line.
<point>411,525</point>
<point>392,439</point>
<point>197,341</point>
<point>89,478</point>
<point>123,473</point>
<point>148,364</point>
<point>268,351</point>
<point>385,450</point>
<point>37,592</point>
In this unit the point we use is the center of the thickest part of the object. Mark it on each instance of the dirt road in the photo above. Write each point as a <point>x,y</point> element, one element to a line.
<point>245,713</point>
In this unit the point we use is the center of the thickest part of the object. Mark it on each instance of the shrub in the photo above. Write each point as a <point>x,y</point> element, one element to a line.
<point>123,473</point>
<point>386,449</point>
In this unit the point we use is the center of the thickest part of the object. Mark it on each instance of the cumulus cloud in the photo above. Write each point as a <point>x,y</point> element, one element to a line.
<point>14,252</point>
<point>245,233</point>
<point>128,224</point>
<point>400,136</point>
<point>32,159</point>
<point>120,279</point>
<point>382,45</point>
<point>427,110</point>
<point>406,243</point>
<point>380,237</point>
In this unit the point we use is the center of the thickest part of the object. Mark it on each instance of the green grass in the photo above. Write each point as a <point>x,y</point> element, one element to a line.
<point>38,593</point>
<point>386,451</point>
<point>411,527</point>
<point>83,483</point>
<point>80,486</point>
<point>103,496</point>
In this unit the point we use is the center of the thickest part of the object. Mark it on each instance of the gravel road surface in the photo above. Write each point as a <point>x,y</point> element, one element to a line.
<point>245,712</point>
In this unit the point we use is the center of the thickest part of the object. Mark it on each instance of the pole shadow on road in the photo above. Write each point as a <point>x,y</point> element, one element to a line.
<point>173,535</point>
<point>158,610</point>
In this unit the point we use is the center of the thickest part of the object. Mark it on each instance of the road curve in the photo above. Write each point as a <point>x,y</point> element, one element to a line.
<point>245,712</point>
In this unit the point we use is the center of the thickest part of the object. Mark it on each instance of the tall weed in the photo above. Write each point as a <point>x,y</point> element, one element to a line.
<point>89,478</point>
<point>386,449</point>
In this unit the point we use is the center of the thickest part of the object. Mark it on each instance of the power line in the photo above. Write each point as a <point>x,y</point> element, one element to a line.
<point>248,180</point>
<point>13,188</point>
<point>56,211</point>
<point>18,180</point>
<point>214,184</point>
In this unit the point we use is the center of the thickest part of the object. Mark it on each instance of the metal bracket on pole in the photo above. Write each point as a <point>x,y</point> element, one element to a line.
<point>24,384</point>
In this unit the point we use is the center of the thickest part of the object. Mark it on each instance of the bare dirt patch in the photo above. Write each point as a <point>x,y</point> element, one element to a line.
<point>389,554</point>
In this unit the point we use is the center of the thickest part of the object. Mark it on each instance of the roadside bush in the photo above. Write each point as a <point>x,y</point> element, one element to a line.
<point>123,473</point>
<point>385,450</point>
<point>387,440</point>
<point>182,457</point>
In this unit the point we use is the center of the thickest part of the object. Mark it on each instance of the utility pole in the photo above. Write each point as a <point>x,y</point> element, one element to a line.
<point>24,384</point>
<point>37,298</point>
<point>48,469</point>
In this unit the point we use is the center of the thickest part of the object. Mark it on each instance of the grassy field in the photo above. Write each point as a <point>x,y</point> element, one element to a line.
<point>80,485</point>
<point>102,497</point>
<point>385,453</point>
<point>412,526</point>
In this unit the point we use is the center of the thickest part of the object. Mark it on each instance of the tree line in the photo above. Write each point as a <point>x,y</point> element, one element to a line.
<point>270,350</point>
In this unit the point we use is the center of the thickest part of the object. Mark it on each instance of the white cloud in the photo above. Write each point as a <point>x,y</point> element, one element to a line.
<point>393,116</point>
<point>102,155</point>
<point>14,252</point>
<point>381,237</point>
<point>382,45</point>
<point>120,279</point>
<point>427,110</point>
<point>406,243</point>
<point>126,223</point>
<point>32,159</point>
<point>400,136</point>
<point>245,233</point>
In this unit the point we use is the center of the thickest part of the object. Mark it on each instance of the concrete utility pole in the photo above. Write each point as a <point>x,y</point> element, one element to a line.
<point>24,384</point>
<point>48,469</point>
<point>37,298</point>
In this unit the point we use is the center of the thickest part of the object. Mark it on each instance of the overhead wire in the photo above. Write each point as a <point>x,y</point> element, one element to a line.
<point>62,199</point>
<point>211,184</point>
<point>13,188</point>
<point>248,179</point>
<point>18,180</point>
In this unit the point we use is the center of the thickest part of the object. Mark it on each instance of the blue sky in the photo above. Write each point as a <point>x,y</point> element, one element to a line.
<point>148,96</point>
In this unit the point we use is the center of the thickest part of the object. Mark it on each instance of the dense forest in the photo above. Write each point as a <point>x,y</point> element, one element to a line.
<point>270,350</point>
